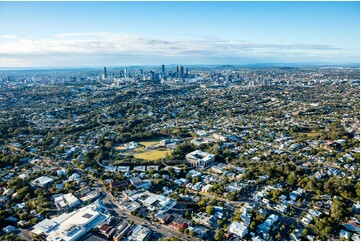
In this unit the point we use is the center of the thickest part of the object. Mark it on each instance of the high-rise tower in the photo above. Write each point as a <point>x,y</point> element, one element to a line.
<point>177,71</point>
<point>105,73</point>
<point>182,72</point>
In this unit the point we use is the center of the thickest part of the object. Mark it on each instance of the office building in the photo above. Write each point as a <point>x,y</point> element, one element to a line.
<point>177,71</point>
<point>105,76</point>
<point>182,72</point>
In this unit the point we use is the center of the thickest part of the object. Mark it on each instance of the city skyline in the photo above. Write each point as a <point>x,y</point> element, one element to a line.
<point>89,34</point>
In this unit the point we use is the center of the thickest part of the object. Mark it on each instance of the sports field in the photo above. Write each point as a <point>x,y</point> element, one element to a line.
<point>152,154</point>
<point>310,134</point>
<point>149,143</point>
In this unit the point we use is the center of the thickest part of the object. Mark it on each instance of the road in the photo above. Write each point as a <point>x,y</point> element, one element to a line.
<point>24,235</point>
<point>115,206</point>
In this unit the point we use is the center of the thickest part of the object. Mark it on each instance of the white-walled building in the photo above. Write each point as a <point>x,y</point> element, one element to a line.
<point>238,229</point>
<point>71,226</point>
<point>42,181</point>
<point>139,233</point>
<point>68,200</point>
<point>199,158</point>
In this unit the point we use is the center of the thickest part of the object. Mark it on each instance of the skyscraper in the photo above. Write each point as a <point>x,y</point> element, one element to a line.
<point>105,73</point>
<point>182,72</point>
<point>178,71</point>
<point>186,72</point>
<point>163,69</point>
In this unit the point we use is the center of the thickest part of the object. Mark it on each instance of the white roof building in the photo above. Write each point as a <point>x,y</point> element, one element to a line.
<point>67,200</point>
<point>74,177</point>
<point>42,181</point>
<point>23,176</point>
<point>200,158</point>
<point>271,220</point>
<point>123,168</point>
<point>71,226</point>
<point>8,192</point>
<point>344,234</point>
<point>158,202</point>
<point>206,187</point>
<point>9,229</point>
<point>61,172</point>
<point>139,233</point>
<point>238,229</point>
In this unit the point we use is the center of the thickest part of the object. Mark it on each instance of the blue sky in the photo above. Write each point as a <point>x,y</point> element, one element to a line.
<point>129,33</point>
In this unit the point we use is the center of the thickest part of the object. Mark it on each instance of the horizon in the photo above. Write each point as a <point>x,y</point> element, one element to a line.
<point>92,34</point>
<point>254,65</point>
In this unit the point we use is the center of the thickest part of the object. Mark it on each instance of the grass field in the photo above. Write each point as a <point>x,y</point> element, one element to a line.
<point>143,153</point>
<point>149,143</point>
<point>152,154</point>
<point>310,134</point>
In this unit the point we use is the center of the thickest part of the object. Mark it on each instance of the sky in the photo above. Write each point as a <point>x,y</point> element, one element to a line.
<point>92,34</point>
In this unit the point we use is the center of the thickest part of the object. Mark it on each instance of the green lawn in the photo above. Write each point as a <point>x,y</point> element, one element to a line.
<point>152,154</point>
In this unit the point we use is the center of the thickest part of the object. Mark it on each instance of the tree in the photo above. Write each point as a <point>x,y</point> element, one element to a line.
<point>291,179</point>
<point>23,192</point>
<point>174,239</point>
<point>108,145</point>
<point>252,226</point>
<point>322,227</point>
<point>151,172</point>
<point>202,203</point>
<point>232,196</point>
<point>196,179</point>
<point>337,209</point>
<point>24,216</point>
<point>305,232</point>
<point>210,210</point>
<point>187,214</point>
<point>219,234</point>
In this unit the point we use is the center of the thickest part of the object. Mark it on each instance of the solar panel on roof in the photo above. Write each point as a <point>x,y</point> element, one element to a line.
<point>87,215</point>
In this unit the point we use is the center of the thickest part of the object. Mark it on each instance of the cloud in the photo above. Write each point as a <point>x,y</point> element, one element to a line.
<point>119,45</point>
<point>8,36</point>
<point>65,35</point>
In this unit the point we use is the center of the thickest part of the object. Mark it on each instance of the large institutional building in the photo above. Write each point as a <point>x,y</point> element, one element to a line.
<point>71,226</point>
<point>199,158</point>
